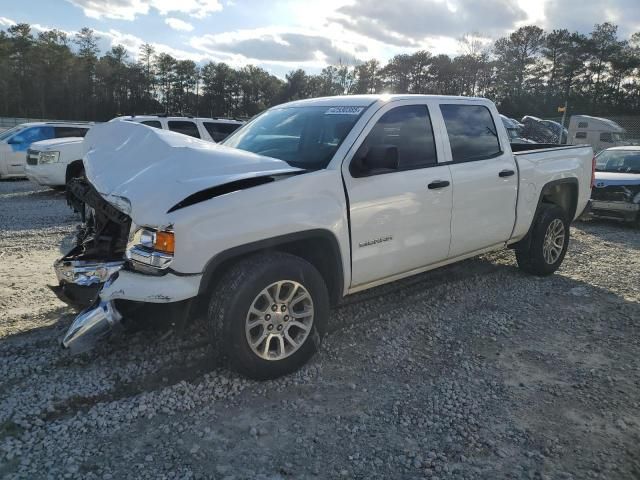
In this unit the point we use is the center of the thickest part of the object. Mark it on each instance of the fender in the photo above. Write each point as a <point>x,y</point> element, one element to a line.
<point>524,242</point>
<point>288,242</point>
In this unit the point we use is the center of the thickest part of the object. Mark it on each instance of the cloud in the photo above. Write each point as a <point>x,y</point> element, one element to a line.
<point>133,43</point>
<point>411,22</point>
<point>275,46</point>
<point>6,22</point>
<point>178,24</point>
<point>581,16</point>
<point>130,9</point>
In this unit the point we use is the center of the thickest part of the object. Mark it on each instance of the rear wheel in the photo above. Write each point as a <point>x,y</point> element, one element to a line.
<point>268,314</point>
<point>549,242</point>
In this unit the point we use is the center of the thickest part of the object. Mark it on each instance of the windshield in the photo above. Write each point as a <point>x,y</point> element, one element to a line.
<point>7,133</point>
<point>624,161</point>
<point>304,137</point>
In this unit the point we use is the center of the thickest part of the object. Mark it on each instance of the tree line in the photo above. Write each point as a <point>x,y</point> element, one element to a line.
<point>49,74</point>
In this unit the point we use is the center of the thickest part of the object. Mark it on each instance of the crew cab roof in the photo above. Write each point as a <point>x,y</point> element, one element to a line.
<point>367,100</point>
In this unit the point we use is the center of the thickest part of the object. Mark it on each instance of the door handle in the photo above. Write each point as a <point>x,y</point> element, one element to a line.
<point>506,173</point>
<point>438,184</point>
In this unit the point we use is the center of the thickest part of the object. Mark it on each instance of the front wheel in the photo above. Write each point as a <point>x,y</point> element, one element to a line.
<point>268,314</point>
<point>549,242</point>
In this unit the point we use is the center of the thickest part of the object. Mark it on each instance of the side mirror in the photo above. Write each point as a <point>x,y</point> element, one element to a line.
<point>16,140</point>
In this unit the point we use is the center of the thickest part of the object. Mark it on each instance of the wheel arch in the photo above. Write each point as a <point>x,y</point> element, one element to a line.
<point>72,168</point>
<point>562,192</point>
<point>319,247</point>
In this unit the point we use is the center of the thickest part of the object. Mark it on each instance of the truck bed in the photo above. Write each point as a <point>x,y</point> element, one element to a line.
<point>524,148</point>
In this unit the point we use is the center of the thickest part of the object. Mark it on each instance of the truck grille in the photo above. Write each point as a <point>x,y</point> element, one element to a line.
<point>32,157</point>
<point>615,193</point>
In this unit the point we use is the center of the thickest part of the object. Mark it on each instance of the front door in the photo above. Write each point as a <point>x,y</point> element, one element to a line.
<point>485,179</point>
<point>400,217</point>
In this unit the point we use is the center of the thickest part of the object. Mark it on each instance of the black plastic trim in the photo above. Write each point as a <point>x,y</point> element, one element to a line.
<point>208,275</point>
<point>524,242</point>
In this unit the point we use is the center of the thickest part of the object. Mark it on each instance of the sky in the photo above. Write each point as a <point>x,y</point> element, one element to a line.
<point>283,35</point>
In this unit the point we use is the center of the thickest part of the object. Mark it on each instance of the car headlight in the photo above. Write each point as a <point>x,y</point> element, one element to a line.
<point>152,248</point>
<point>48,157</point>
<point>636,199</point>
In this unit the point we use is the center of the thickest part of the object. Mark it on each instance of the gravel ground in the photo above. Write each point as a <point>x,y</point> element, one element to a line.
<point>471,371</point>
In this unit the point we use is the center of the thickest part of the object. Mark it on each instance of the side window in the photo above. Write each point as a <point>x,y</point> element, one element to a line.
<point>153,123</point>
<point>408,129</point>
<point>34,134</point>
<point>606,137</point>
<point>583,125</point>
<point>220,131</point>
<point>184,127</point>
<point>581,134</point>
<point>472,133</point>
<point>65,132</point>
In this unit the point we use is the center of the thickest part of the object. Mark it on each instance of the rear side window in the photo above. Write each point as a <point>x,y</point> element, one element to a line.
<point>153,123</point>
<point>184,127</point>
<point>34,134</point>
<point>583,125</point>
<point>66,132</point>
<point>581,134</point>
<point>220,131</point>
<point>472,133</point>
<point>409,129</point>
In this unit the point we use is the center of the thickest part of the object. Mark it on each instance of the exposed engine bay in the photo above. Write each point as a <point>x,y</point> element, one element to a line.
<point>100,247</point>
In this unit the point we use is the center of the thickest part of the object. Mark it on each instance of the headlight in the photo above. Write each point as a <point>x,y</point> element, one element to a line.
<point>159,240</point>
<point>636,199</point>
<point>48,157</point>
<point>121,203</point>
<point>151,248</point>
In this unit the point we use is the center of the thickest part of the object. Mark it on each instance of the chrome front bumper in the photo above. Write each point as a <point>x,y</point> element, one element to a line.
<point>91,325</point>
<point>85,273</point>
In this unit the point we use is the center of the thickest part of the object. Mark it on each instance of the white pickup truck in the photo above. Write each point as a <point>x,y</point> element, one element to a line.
<point>310,201</point>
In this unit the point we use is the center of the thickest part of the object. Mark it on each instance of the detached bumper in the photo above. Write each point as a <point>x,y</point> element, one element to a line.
<point>79,281</point>
<point>97,321</point>
<point>616,210</point>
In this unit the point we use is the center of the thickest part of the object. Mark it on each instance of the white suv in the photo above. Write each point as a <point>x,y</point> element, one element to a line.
<point>15,142</point>
<point>54,162</point>
<point>212,129</point>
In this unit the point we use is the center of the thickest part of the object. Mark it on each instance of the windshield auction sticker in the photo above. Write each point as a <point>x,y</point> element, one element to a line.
<point>344,111</point>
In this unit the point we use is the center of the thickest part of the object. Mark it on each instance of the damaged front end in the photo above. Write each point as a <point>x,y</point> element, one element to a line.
<point>95,260</point>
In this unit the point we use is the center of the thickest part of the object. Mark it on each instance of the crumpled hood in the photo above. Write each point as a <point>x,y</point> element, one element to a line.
<point>606,179</point>
<point>155,169</point>
<point>54,143</point>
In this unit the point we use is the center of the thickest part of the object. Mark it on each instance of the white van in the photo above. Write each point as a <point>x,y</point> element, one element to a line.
<point>598,132</point>
<point>15,142</point>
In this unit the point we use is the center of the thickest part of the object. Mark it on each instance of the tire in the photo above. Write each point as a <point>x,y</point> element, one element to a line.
<point>242,288</point>
<point>532,259</point>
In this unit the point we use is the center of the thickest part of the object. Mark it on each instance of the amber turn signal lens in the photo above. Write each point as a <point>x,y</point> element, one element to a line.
<point>165,242</point>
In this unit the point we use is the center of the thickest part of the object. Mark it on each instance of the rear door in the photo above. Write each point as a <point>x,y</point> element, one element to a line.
<point>484,176</point>
<point>400,218</point>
